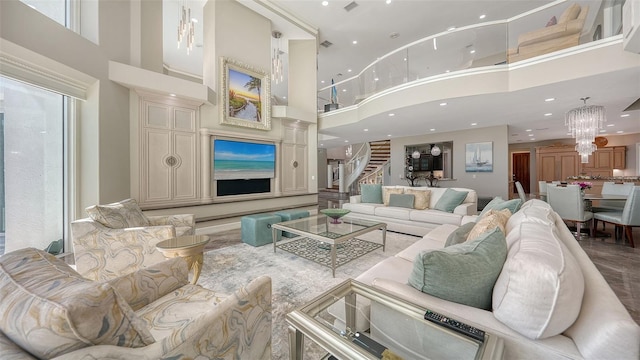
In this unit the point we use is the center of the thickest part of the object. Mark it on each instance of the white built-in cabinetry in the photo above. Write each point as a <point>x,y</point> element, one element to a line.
<point>294,158</point>
<point>169,151</point>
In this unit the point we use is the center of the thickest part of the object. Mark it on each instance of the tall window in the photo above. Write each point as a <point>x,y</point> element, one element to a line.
<point>32,163</point>
<point>56,10</point>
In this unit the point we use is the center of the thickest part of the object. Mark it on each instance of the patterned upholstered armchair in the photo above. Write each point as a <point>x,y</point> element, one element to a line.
<point>118,239</point>
<point>49,311</point>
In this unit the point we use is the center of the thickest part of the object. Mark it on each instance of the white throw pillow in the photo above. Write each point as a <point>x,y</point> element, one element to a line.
<point>539,291</point>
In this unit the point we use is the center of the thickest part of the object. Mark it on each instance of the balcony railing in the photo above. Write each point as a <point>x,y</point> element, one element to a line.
<point>495,43</point>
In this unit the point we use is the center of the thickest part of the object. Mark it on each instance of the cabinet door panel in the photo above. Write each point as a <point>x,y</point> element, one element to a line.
<point>288,175</point>
<point>157,184</point>
<point>184,186</point>
<point>547,166</point>
<point>158,115</point>
<point>619,161</point>
<point>568,166</point>
<point>604,159</point>
<point>301,170</point>
<point>184,120</point>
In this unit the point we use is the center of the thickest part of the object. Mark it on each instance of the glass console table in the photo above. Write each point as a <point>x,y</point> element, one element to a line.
<point>427,340</point>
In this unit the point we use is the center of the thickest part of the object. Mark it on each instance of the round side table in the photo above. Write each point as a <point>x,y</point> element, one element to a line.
<point>189,247</point>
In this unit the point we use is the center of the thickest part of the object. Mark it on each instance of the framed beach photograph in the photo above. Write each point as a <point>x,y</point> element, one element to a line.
<point>246,94</point>
<point>479,157</point>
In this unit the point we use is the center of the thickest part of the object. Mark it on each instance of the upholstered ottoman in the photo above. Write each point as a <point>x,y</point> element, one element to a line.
<point>256,229</point>
<point>286,215</point>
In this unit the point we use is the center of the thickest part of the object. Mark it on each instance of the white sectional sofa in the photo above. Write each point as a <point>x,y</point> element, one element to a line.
<point>413,221</point>
<point>549,300</point>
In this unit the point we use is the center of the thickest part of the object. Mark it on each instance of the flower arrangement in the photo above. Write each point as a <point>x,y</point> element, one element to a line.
<point>584,185</point>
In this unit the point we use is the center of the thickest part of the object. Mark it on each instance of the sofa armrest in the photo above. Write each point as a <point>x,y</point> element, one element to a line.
<point>146,285</point>
<point>11,350</point>
<point>469,218</point>
<point>356,199</point>
<point>466,209</point>
<point>246,318</point>
<point>175,220</point>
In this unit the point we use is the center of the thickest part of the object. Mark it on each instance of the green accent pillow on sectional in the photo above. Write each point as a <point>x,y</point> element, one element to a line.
<point>371,193</point>
<point>463,273</point>
<point>460,234</point>
<point>450,199</point>
<point>497,203</point>
<point>402,200</point>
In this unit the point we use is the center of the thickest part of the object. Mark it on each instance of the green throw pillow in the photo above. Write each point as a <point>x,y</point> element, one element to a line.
<point>460,234</point>
<point>497,203</point>
<point>371,193</point>
<point>402,200</point>
<point>450,199</point>
<point>463,273</point>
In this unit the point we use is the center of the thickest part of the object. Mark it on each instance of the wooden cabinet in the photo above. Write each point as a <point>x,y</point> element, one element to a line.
<point>620,157</point>
<point>168,153</point>
<point>561,162</point>
<point>600,163</point>
<point>294,159</point>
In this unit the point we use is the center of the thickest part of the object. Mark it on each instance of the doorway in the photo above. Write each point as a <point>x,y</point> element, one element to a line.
<point>520,163</point>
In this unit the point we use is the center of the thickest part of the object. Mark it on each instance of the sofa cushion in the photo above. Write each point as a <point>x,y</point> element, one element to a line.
<point>492,219</point>
<point>49,309</point>
<point>393,212</point>
<point>388,190</point>
<point>119,215</point>
<point>371,193</point>
<point>532,213</point>
<point>450,199</point>
<point>497,203</point>
<point>362,208</point>
<point>422,198</point>
<point>463,273</point>
<point>539,291</point>
<point>571,13</point>
<point>460,234</point>
<point>402,200</point>
<point>435,217</point>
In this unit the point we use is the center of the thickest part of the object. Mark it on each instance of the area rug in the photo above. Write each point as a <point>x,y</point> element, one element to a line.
<point>295,280</point>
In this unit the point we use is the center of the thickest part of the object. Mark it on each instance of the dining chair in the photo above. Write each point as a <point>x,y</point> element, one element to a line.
<point>611,188</point>
<point>521,193</point>
<point>542,186</point>
<point>628,217</point>
<point>569,204</point>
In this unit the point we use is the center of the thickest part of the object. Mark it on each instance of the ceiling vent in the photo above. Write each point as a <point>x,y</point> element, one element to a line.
<point>352,5</point>
<point>326,43</point>
<point>634,106</point>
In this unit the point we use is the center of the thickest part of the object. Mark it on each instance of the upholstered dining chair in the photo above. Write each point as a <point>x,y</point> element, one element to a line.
<point>117,239</point>
<point>542,186</point>
<point>628,217</point>
<point>521,193</point>
<point>611,188</point>
<point>569,204</point>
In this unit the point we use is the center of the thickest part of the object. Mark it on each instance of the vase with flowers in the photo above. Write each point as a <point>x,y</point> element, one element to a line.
<point>584,185</point>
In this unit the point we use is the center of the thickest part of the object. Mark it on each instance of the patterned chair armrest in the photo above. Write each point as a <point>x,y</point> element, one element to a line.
<point>102,253</point>
<point>146,285</point>
<point>249,309</point>
<point>179,221</point>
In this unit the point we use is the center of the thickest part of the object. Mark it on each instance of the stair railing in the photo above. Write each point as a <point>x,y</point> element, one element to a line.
<point>358,162</point>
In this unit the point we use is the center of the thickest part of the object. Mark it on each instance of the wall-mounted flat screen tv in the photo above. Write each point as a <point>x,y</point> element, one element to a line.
<point>243,160</point>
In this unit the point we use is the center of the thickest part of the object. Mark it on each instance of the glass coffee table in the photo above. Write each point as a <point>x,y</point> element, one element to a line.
<point>328,243</point>
<point>416,339</point>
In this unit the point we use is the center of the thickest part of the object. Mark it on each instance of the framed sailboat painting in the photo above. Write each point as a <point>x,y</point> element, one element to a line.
<point>479,157</point>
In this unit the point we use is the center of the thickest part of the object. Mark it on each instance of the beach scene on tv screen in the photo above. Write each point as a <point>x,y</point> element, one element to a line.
<point>243,160</point>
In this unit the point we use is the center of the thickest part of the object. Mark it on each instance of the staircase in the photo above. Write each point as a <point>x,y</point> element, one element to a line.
<point>380,154</point>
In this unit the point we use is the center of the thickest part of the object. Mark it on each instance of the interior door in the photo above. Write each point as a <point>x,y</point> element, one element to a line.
<point>521,171</point>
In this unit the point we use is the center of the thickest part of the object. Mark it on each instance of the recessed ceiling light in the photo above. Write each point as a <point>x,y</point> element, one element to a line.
<point>194,20</point>
<point>531,135</point>
<point>392,114</point>
<point>619,132</point>
<point>528,130</point>
<point>348,70</point>
<point>624,115</point>
<point>435,44</point>
<point>432,129</point>
<point>602,131</point>
<point>610,125</point>
<point>451,28</point>
<point>321,144</point>
<point>325,3</point>
<point>366,129</point>
<point>549,99</point>
<point>532,139</point>
<point>482,16</point>
<point>548,114</point>
<point>447,71</point>
<point>474,124</point>
<point>172,94</point>
<point>472,52</point>
<point>354,42</point>
<point>389,135</point>
<point>284,97</point>
<point>346,141</point>
<point>405,59</point>
<point>388,2</point>
<point>321,81</point>
<point>376,79</point>
<point>344,90</point>
<point>443,104</point>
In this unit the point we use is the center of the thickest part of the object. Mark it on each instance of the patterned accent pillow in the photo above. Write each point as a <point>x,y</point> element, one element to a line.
<point>119,215</point>
<point>492,219</point>
<point>463,273</point>
<point>422,198</point>
<point>49,309</point>
<point>387,191</point>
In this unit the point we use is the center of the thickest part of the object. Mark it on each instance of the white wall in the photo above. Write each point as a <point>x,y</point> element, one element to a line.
<point>485,184</point>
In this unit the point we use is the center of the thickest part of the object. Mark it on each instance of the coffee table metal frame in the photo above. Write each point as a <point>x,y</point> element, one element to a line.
<point>189,247</point>
<point>301,226</point>
<point>302,323</point>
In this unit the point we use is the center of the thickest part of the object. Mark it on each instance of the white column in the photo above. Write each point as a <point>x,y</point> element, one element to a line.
<point>205,163</point>
<point>341,175</point>
<point>329,176</point>
<point>278,179</point>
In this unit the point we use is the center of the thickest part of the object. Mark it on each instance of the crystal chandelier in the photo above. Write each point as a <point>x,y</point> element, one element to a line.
<point>584,123</point>
<point>276,60</point>
<point>186,26</point>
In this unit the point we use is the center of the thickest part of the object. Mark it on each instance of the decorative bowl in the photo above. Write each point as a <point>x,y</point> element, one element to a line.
<point>335,214</point>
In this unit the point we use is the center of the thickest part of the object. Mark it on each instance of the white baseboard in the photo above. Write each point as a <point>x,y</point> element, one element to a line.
<point>218,228</point>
